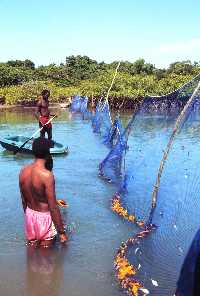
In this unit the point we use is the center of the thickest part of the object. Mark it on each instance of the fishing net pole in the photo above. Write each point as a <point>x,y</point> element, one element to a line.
<point>178,123</point>
<point>102,121</point>
<point>111,85</point>
<point>138,159</point>
<point>127,272</point>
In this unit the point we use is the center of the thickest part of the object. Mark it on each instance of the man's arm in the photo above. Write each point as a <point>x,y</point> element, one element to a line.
<point>37,112</point>
<point>53,207</point>
<point>24,203</point>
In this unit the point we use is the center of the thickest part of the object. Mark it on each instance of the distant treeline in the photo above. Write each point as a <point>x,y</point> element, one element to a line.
<point>21,81</point>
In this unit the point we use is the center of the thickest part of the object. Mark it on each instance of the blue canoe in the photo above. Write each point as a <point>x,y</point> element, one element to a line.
<point>13,143</point>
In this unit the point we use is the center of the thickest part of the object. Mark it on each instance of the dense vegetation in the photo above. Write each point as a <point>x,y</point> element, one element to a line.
<point>21,81</point>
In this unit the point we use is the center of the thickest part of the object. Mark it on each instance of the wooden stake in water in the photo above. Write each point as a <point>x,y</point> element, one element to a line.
<point>114,76</point>
<point>106,98</point>
<point>169,145</point>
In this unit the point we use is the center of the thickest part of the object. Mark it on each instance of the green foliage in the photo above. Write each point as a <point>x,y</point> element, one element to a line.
<point>81,67</point>
<point>184,68</point>
<point>13,75</point>
<point>24,64</point>
<point>54,73</point>
<point>21,82</point>
<point>140,67</point>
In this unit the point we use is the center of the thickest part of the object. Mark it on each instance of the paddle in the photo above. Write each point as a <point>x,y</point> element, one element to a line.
<point>39,130</point>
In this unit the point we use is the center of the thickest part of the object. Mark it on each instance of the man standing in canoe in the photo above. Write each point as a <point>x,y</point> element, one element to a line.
<point>43,114</point>
<point>37,185</point>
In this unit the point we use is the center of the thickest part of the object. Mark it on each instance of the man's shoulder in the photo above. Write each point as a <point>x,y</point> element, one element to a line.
<point>39,102</point>
<point>48,174</point>
<point>24,171</point>
<point>44,173</point>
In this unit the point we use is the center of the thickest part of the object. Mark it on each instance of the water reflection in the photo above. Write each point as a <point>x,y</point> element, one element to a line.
<point>45,270</point>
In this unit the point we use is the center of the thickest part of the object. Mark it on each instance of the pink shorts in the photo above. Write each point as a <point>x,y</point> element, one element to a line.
<point>39,225</point>
<point>44,119</point>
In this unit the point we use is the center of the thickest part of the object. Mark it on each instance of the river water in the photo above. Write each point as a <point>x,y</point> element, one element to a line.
<point>85,266</point>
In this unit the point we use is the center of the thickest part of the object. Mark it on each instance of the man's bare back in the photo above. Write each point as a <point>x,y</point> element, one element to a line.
<point>37,186</point>
<point>34,181</point>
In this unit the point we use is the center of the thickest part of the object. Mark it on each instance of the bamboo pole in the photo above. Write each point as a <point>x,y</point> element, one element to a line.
<point>111,85</point>
<point>169,145</point>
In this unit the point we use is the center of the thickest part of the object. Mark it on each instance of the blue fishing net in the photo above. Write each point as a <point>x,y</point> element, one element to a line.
<point>111,168</point>
<point>75,104</point>
<point>96,119</point>
<point>146,136</point>
<point>84,104</point>
<point>79,104</point>
<point>166,261</point>
<point>102,121</point>
<point>172,102</point>
<point>144,149</point>
<point>115,132</point>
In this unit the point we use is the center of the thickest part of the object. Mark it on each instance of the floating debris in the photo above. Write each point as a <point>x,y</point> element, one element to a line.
<point>180,249</point>
<point>155,283</point>
<point>137,249</point>
<point>145,291</point>
<point>118,208</point>
<point>124,270</point>
<point>161,213</point>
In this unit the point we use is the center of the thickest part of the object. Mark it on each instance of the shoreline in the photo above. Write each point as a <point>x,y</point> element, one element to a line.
<point>4,106</point>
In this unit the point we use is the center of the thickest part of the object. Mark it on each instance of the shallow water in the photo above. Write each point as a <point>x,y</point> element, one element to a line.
<point>85,266</point>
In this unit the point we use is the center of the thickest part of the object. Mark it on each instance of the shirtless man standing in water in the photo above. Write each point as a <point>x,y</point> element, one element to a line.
<point>43,114</point>
<point>37,185</point>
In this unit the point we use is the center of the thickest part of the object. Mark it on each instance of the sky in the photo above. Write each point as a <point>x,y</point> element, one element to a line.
<point>47,31</point>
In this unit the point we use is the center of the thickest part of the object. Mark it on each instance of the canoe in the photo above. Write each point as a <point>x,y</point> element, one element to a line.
<point>13,143</point>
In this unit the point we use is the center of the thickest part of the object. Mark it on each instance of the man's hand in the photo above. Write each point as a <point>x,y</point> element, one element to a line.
<point>63,238</point>
<point>62,203</point>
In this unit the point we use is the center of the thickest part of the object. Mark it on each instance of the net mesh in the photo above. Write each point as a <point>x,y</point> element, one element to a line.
<point>154,264</point>
<point>115,132</point>
<point>150,132</point>
<point>111,168</point>
<point>79,104</point>
<point>102,121</point>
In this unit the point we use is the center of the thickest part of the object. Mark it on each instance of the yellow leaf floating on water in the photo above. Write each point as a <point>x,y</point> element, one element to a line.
<point>125,270</point>
<point>134,287</point>
<point>117,208</point>
<point>123,267</point>
<point>131,218</point>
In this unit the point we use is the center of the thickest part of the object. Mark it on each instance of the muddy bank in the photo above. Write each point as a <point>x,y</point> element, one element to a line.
<point>121,103</point>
